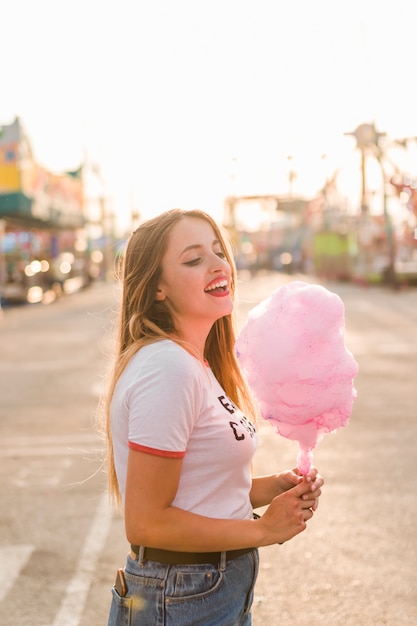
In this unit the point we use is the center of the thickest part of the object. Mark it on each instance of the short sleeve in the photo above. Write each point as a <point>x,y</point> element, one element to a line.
<point>163,400</point>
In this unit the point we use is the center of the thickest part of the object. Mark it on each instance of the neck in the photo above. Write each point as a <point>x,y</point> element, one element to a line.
<point>193,342</point>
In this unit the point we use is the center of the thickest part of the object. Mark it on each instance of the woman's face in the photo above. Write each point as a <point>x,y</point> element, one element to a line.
<point>195,276</point>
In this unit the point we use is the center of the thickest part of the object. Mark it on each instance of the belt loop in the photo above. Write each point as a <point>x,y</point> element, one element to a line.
<point>141,555</point>
<point>222,565</point>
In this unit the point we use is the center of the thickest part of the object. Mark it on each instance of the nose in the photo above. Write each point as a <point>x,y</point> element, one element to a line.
<point>218,264</point>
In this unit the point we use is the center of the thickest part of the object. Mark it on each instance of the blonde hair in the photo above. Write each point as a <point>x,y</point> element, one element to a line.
<point>143,319</point>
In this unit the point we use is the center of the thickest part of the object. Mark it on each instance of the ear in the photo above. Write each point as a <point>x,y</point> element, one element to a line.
<point>160,295</point>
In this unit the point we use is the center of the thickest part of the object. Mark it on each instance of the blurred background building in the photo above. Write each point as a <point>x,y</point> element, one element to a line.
<point>58,231</point>
<point>55,232</point>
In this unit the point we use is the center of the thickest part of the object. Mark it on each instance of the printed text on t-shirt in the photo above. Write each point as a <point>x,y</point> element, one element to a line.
<point>242,423</point>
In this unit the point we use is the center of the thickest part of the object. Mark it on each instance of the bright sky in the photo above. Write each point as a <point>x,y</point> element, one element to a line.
<point>183,102</point>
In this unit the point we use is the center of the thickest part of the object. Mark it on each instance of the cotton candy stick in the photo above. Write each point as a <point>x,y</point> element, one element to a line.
<point>293,354</point>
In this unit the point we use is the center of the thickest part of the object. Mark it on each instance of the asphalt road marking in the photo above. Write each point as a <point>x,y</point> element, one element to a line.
<point>12,561</point>
<point>41,366</point>
<point>77,590</point>
<point>50,445</point>
<point>37,472</point>
<point>46,451</point>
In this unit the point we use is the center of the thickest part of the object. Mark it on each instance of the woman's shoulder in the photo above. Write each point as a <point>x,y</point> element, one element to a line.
<point>165,354</point>
<point>164,362</point>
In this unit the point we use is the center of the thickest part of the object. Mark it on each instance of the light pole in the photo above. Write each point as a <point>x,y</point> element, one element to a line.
<point>391,275</point>
<point>292,175</point>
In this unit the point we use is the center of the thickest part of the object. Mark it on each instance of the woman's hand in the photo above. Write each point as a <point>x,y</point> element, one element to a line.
<point>289,478</point>
<point>266,488</point>
<point>288,513</point>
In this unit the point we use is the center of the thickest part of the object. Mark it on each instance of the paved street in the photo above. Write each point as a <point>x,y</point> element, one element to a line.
<point>60,544</point>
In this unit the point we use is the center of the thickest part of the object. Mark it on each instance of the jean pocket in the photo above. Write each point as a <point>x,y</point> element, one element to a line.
<point>187,583</point>
<point>120,610</point>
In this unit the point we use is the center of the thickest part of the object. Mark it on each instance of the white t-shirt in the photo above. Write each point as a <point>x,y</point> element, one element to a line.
<point>168,403</point>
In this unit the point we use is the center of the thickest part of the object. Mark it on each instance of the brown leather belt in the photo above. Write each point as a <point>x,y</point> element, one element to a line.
<point>187,558</point>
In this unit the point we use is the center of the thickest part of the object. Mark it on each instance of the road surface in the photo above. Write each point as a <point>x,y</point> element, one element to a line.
<point>60,543</point>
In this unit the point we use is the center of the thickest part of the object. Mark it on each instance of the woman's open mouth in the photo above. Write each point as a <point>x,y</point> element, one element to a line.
<point>217,288</point>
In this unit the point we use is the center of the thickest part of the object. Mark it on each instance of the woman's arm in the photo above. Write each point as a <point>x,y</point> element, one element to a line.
<point>264,489</point>
<point>152,521</point>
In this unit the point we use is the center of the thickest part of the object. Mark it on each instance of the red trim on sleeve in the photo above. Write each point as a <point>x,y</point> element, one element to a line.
<point>168,454</point>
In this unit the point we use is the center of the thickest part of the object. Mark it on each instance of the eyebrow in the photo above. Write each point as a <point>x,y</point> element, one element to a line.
<point>197,246</point>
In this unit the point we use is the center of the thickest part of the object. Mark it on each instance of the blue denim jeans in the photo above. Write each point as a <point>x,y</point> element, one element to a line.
<point>186,595</point>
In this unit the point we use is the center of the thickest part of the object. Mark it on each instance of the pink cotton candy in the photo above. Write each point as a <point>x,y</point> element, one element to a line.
<point>293,354</point>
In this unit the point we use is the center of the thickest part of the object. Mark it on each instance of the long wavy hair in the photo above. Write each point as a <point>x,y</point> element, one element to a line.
<point>144,320</point>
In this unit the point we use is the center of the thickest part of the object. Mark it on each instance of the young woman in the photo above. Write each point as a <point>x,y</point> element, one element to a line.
<point>180,447</point>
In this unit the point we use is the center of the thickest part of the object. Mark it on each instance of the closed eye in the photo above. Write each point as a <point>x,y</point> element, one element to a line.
<point>197,260</point>
<point>193,262</point>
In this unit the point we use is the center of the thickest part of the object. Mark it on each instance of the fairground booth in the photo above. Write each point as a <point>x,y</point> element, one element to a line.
<point>43,243</point>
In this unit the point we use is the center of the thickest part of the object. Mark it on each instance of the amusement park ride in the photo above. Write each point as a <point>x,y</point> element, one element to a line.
<point>371,143</point>
<point>363,244</point>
